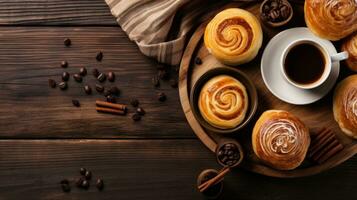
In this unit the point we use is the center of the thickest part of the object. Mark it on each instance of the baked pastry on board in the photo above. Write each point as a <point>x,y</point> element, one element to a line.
<point>280,139</point>
<point>345,105</point>
<point>234,36</point>
<point>331,19</point>
<point>223,102</point>
<point>350,45</point>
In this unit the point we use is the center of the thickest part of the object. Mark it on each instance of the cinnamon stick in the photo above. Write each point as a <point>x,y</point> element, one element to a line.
<point>110,110</point>
<point>219,177</point>
<point>110,105</point>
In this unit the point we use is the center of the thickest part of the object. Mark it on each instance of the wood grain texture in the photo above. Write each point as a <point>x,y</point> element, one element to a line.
<point>150,169</point>
<point>316,116</point>
<point>55,12</point>
<point>30,109</point>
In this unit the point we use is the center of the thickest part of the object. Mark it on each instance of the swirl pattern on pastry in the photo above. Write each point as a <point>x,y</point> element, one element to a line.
<point>280,139</point>
<point>234,36</point>
<point>345,105</point>
<point>350,45</point>
<point>331,19</point>
<point>223,102</point>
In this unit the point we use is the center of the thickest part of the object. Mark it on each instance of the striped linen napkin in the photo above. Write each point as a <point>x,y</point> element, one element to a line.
<point>160,27</point>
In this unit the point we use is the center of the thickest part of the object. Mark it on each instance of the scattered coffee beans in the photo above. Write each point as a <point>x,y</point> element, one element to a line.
<point>114,90</point>
<point>88,175</point>
<point>99,56</point>
<point>52,83</point>
<point>95,73</point>
<point>198,61</point>
<point>228,154</point>
<point>111,76</point>
<point>134,102</point>
<point>101,77</point>
<point>161,96</point>
<point>65,76</point>
<point>77,78</point>
<point>99,88</point>
<point>67,42</point>
<point>83,71</point>
<point>76,103</point>
<point>136,117</point>
<point>140,111</point>
<point>82,171</point>
<point>155,81</point>
<point>173,83</point>
<point>62,85</point>
<point>64,64</point>
<point>85,184</point>
<point>100,184</point>
<point>88,89</point>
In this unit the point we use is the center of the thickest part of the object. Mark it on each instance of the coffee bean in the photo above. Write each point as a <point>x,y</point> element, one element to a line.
<point>66,187</point>
<point>88,175</point>
<point>114,90</point>
<point>101,77</point>
<point>111,99</point>
<point>198,61</point>
<point>99,56</point>
<point>52,83</point>
<point>95,73</point>
<point>82,171</point>
<point>173,83</point>
<point>79,181</point>
<point>88,89</point>
<point>155,81</point>
<point>163,74</point>
<point>134,102</point>
<point>99,88</point>
<point>76,103</point>
<point>136,117</point>
<point>65,76</point>
<point>266,8</point>
<point>62,85</point>
<point>284,11</point>
<point>83,71</point>
<point>140,111</point>
<point>67,42</point>
<point>161,96</point>
<point>100,184</point>
<point>64,64</point>
<point>274,15</point>
<point>77,78</point>
<point>111,76</point>
<point>85,184</point>
<point>274,5</point>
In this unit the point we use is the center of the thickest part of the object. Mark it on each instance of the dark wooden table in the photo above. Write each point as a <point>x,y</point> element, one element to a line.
<point>45,139</point>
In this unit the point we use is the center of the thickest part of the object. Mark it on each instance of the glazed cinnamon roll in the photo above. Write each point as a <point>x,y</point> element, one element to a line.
<point>331,19</point>
<point>223,102</point>
<point>280,139</point>
<point>234,36</point>
<point>350,45</point>
<point>345,105</point>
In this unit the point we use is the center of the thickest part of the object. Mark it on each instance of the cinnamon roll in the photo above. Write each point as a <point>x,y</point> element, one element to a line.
<point>350,45</point>
<point>345,105</point>
<point>234,36</point>
<point>331,19</point>
<point>223,102</point>
<point>280,139</point>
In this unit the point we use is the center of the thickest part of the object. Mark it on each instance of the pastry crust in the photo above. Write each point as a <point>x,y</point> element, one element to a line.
<point>350,45</point>
<point>331,19</point>
<point>345,105</point>
<point>234,36</point>
<point>223,102</point>
<point>280,139</point>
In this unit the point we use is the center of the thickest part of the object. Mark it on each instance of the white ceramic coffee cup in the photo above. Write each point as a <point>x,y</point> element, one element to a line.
<point>329,59</point>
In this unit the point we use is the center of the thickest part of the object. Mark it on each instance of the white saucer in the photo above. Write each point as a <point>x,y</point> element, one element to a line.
<point>274,79</point>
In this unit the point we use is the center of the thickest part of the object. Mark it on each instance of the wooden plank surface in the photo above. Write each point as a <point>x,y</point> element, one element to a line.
<point>55,12</point>
<point>30,109</point>
<point>147,169</point>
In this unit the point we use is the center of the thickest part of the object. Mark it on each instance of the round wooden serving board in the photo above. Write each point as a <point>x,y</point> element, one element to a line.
<point>315,116</point>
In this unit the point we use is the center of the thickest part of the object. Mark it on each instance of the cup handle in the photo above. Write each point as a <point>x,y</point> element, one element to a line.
<point>339,56</point>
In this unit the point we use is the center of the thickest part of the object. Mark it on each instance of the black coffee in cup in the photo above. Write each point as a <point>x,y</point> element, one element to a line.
<point>304,63</point>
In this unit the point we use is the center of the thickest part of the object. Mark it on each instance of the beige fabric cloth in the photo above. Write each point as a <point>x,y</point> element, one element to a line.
<point>160,27</point>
